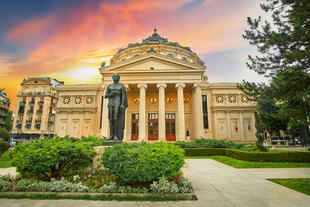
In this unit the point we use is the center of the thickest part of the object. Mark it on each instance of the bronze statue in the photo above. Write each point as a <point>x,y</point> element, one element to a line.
<point>117,95</point>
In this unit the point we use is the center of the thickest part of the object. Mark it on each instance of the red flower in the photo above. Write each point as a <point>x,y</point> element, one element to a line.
<point>97,181</point>
<point>176,179</point>
<point>102,180</point>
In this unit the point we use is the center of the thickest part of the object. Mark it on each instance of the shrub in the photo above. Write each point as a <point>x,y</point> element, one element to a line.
<point>51,158</point>
<point>5,182</point>
<point>209,143</point>
<point>251,156</point>
<point>163,186</point>
<point>4,146</point>
<point>32,185</point>
<point>8,155</point>
<point>142,162</point>
<point>4,134</point>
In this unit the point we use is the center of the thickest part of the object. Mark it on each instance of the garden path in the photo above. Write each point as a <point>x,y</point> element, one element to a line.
<point>215,185</point>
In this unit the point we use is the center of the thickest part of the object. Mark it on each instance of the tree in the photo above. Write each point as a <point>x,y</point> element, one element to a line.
<point>4,134</point>
<point>283,44</point>
<point>259,133</point>
<point>284,55</point>
<point>8,121</point>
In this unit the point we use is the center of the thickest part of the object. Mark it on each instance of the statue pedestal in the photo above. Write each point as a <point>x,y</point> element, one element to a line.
<point>110,143</point>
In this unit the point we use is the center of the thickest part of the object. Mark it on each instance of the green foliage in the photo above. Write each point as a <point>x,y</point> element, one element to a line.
<point>285,156</point>
<point>5,182</point>
<point>8,121</point>
<point>4,146</point>
<point>284,56</point>
<point>285,44</point>
<point>32,185</point>
<point>259,133</point>
<point>4,134</point>
<point>7,155</point>
<point>209,143</point>
<point>51,158</point>
<point>142,162</point>
<point>163,186</point>
<point>92,178</point>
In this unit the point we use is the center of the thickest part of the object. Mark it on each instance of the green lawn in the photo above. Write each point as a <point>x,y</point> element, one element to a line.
<point>5,164</point>
<point>299,184</point>
<point>245,164</point>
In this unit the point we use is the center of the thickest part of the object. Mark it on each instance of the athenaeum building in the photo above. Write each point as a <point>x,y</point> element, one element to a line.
<point>169,98</point>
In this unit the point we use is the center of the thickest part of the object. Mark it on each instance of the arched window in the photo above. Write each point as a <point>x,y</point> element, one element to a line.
<point>184,59</point>
<point>171,55</point>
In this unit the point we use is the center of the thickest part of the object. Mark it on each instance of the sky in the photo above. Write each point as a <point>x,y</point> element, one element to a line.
<point>68,39</point>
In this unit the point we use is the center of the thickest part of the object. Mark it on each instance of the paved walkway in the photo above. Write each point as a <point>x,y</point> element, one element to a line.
<point>215,184</point>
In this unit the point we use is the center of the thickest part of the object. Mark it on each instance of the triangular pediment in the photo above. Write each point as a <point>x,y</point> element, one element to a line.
<point>153,62</point>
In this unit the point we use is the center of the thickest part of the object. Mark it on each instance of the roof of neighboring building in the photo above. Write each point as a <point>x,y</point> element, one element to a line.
<point>52,81</point>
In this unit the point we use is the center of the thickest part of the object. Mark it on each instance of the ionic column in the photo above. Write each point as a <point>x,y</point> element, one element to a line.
<point>241,126</point>
<point>161,111</point>
<point>81,124</point>
<point>253,128</point>
<point>198,116</point>
<point>105,130</point>
<point>142,106</point>
<point>181,119</point>
<point>228,125</point>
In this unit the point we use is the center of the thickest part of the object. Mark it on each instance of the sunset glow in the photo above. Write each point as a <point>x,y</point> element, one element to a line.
<point>68,40</point>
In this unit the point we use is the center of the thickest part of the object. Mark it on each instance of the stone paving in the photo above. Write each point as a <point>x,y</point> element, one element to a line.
<point>215,184</point>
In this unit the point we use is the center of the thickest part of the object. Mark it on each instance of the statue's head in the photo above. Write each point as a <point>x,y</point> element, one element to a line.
<point>115,77</point>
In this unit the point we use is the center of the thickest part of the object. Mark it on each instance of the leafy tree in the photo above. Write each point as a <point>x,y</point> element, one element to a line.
<point>259,133</point>
<point>284,43</point>
<point>8,121</point>
<point>284,55</point>
<point>4,146</point>
<point>4,134</point>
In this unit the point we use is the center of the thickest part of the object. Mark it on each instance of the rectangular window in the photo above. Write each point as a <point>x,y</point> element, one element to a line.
<point>205,112</point>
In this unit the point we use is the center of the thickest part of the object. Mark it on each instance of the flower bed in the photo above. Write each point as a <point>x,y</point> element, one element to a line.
<point>62,165</point>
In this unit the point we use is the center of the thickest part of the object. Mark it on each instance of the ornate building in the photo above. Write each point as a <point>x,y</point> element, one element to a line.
<point>35,108</point>
<point>169,98</point>
<point>4,107</point>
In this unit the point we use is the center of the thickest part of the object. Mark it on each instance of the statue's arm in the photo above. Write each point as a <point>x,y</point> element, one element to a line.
<point>123,96</point>
<point>108,93</point>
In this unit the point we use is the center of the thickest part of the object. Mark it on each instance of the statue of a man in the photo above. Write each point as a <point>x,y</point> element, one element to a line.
<point>117,95</point>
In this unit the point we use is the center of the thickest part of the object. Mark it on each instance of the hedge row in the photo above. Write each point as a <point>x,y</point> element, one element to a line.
<point>251,156</point>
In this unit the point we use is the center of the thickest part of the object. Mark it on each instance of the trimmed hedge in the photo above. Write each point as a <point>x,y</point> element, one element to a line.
<point>143,162</point>
<point>251,156</point>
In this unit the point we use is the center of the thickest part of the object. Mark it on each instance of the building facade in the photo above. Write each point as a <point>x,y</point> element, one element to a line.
<point>35,108</point>
<point>169,98</point>
<point>4,107</point>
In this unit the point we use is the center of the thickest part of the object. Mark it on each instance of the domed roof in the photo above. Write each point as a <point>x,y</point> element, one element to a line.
<point>155,38</point>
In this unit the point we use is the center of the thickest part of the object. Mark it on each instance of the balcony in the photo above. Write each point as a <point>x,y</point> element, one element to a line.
<point>37,121</point>
<point>19,121</point>
<point>20,111</point>
<point>41,102</point>
<point>50,121</point>
<point>28,121</point>
<point>22,102</point>
<point>39,111</point>
<point>30,112</point>
<point>31,102</point>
